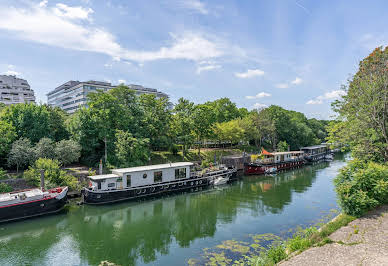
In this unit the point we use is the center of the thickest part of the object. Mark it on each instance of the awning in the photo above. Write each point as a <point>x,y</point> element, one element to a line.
<point>264,152</point>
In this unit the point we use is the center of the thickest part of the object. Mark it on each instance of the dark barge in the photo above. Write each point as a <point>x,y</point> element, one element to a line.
<point>147,181</point>
<point>31,202</point>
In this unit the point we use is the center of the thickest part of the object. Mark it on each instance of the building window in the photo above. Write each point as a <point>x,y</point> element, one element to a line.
<point>128,180</point>
<point>158,176</point>
<point>180,173</point>
<point>111,184</point>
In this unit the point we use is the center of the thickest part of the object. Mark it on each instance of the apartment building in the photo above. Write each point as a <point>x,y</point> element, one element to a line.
<point>14,90</point>
<point>71,95</point>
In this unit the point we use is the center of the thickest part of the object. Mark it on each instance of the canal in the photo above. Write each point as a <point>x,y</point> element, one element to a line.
<point>172,230</point>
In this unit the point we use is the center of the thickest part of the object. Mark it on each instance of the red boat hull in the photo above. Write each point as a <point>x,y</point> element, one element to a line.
<point>259,169</point>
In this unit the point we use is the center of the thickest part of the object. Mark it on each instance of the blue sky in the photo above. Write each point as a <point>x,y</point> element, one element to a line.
<point>295,54</point>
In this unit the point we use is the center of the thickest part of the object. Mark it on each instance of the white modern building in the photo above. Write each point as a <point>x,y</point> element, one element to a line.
<point>71,95</point>
<point>15,90</point>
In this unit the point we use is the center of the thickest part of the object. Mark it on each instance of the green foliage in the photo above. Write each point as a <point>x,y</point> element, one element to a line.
<point>53,174</point>
<point>362,186</point>
<point>7,136</point>
<point>282,146</point>
<point>301,240</point>
<point>5,188</point>
<point>67,151</point>
<point>3,174</point>
<point>131,151</point>
<point>363,110</point>
<point>35,121</point>
<point>44,149</point>
<point>229,131</point>
<point>276,253</point>
<point>21,153</point>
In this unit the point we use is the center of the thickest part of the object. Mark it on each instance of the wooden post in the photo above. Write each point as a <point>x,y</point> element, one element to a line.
<point>42,179</point>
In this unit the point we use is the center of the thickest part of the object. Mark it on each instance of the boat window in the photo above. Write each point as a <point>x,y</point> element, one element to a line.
<point>145,176</point>
<point>158,176</point>
<point>111,185</point>
<point>128,180</point>
<point>180,173</point>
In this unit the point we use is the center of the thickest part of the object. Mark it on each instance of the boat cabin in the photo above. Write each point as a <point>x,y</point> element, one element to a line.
<point>315,150</point>
<point>277,157</point>
<point>124,178</point>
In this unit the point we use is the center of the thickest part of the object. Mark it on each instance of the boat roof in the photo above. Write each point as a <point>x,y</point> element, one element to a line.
<point>151,167</point>
<point>286,152</point>
<point>99,177</point>
<point>314,147</point>
<point>28,193</point>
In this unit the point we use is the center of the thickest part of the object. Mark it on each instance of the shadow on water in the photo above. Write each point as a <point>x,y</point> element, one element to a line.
<point>142,232</point>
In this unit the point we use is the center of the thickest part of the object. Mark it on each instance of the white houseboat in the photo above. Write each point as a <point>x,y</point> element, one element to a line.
<point>143,181</point>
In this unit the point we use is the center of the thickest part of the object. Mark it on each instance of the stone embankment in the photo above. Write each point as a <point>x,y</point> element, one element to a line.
<point>363,241</point>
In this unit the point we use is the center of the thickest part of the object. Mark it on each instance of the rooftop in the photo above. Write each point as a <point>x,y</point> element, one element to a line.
<point>99,177</point>
<point>151,167</point>
<point>314,147</point>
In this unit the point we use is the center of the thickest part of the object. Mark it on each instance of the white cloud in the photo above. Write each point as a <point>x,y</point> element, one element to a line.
<point>259,106</point>
<point>11,71</point>
<point>250,73</point>
<point>122,81</point>
<point>43,3</point>
<point>70,28</point>
<point>207,66</point>
<point>296,81</point>
<point>76,12</point>
<point>336,94</point>
<point>195,5</point>
<point>281,85</point>
<point>107,65</point>
<point>258,96</point>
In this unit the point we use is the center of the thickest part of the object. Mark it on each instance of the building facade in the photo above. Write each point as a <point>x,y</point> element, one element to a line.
<point>14,90</point>
<point>72,95</point>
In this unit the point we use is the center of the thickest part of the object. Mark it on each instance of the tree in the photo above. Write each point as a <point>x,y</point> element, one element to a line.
<point>182,123</point>
<point>53,174</point>
<point>67,151</point>
<point>282,146</point>
<point>21,153</point>
<point>35,121</point>
<point>224,110</point>
<point>155,120</point>
<point>44,149</point>
<point>131,151</point>
<point>363,110</point>
<point>203,118</point>
<point>229,131</point>
<point>7,136</point>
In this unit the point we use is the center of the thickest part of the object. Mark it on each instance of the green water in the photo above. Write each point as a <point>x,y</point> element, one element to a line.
<point>171,230</point>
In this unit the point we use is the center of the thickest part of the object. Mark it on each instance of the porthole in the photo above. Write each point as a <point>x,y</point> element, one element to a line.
<point>145,176</point>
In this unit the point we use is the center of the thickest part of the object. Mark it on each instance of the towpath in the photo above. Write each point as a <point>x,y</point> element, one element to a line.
<point>364,241</point>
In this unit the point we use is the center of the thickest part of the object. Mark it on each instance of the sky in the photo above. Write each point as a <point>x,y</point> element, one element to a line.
<point>295,54</point>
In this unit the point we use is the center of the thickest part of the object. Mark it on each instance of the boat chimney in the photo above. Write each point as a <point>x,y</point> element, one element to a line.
<point>42,179</point>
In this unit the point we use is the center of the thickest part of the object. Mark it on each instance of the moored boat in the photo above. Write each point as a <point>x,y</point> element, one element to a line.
<point>274,162</point>
<point>315,153</point>
<point>151,180</point>
<point>31,202</point>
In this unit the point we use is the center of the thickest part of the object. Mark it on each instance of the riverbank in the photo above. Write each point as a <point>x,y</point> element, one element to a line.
<point>363,241</point>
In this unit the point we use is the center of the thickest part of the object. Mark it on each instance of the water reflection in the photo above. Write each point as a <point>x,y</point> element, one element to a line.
<point>134,232</point>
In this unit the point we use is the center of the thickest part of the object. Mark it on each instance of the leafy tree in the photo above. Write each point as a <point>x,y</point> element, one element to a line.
<point>21,153</point>
<point>229,131</point>
<point>67,151</point>
<point>363,110</point>
<point>7,136</point>
<point>282,146</point>
<point>131,151</point>
<point>224,110</point>
<point>156,120</point>
<point>203,118</point>
<point>35,121</point>
<point>182,123</point>
<point>53,174</point>
<point>44,149</point>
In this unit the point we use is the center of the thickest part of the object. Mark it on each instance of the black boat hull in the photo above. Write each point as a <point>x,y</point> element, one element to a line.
<point>111,196</point>
<point>31,209</point>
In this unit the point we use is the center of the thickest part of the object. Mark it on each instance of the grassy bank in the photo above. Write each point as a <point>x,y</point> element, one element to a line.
<point>300,241</point>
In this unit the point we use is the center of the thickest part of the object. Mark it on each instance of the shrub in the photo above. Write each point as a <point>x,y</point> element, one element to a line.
<point>44,148</point>
<point>54,176</point>
<point>67,151</point>
<point>3,174</point>
<point>5,188</point>
<point>276,253</point>
<point>362,186</point>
